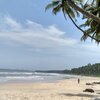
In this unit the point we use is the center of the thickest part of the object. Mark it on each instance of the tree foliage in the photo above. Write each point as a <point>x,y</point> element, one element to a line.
<point>89,70</point>
<point>74,8</point>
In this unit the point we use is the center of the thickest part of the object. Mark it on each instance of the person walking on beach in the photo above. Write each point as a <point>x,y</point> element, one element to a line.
<point>78,81</point>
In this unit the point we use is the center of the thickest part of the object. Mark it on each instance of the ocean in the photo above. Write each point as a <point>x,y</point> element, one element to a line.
<point>18,76</point>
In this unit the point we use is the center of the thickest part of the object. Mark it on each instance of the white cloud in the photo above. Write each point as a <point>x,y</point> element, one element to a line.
<point>33,34</point>
<point>8,24</point>
<point>11,23</point>
<point>48,41</point>
<point>38,36</point>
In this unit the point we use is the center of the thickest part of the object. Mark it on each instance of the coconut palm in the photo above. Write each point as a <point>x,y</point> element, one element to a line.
<point>72,8</point>
<point>62,5</point>
<point>85,13</point>
<point>93,26</point>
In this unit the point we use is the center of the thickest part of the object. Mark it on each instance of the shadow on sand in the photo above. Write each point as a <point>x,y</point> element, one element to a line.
<point>79,95</point>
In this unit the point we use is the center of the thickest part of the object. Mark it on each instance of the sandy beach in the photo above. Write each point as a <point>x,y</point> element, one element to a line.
<point>68,89</point>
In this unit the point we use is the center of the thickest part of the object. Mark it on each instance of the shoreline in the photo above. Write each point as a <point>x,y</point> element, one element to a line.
<point>36,78</point>
<point>66,89</point>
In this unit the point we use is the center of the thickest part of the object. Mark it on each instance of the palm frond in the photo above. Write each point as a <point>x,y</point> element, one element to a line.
<point>51,5</point>
<point>56,9</point>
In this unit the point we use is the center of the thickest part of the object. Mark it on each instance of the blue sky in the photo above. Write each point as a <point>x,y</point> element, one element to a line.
<point>31,38</point>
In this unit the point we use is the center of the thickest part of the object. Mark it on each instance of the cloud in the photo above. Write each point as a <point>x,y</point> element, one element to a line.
<point>37,36</point>
<point>46,45</point>
<point>33,34</point>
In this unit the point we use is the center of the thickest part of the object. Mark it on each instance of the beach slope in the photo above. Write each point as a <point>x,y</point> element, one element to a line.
<point>68,89</point>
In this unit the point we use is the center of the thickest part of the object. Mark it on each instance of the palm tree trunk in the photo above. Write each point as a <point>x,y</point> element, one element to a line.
<point>89,15</point>
<point>97,40</point>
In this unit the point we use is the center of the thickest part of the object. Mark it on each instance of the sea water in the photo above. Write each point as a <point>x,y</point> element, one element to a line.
<point>15,76</point>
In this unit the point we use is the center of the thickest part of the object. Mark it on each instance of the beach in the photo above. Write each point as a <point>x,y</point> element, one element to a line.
<point>67,89</point>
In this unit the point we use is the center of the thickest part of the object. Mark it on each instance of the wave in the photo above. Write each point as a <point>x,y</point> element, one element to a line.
<point>24,77</point>
<point>46,74</point>
<point>30,76</point>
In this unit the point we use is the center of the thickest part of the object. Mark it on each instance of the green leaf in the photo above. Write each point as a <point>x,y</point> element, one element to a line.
<point>51,5</point>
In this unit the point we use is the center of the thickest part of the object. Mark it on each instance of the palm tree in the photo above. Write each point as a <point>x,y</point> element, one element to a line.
<point>59,5</point>
<point>93,27</point>
<point>89,15</point>
<point>67,7</point>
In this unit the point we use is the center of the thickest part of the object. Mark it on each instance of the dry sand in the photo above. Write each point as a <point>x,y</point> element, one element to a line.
<point>68,89</point>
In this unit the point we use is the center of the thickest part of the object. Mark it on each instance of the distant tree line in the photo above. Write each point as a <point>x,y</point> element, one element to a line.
<point>87,70</point>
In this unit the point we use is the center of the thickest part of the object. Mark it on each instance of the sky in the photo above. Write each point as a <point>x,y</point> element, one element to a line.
<point>33,39</point>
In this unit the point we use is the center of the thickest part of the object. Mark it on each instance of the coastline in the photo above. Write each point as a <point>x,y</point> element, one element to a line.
<point>67,89</point>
